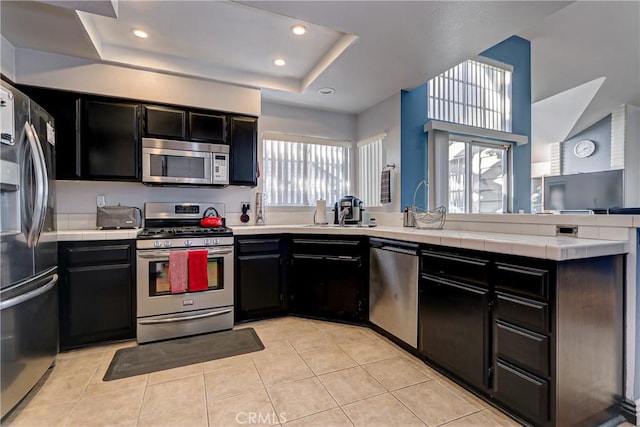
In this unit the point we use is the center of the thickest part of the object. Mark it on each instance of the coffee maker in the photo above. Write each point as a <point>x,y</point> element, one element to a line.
<point>354,207</point>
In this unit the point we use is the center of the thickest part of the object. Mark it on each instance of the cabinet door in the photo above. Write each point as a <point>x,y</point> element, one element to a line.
<point>308,287</point>
<point>110,144</point>
<point>453,330</point>
<point>208,127</point>
<point>164,122</point>
<point>343,278</point>
<point>258,285</point>
<point>244,151</point>
<point>96,304</point>
<point>63,106</point>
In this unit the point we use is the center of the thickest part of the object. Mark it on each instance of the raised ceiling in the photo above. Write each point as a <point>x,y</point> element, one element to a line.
<point>367,51</point>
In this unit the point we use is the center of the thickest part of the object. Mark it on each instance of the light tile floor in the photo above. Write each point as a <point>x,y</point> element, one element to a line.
<point>311,373</point>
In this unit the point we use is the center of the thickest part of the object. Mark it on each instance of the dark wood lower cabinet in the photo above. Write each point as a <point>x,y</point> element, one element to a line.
<point>259,283</point>
<point>329,277</point>
<point>97,292</point>
<point>542,339</point>
<point>454,327</point>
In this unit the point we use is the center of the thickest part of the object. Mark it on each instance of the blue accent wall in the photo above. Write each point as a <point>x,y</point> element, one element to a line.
<point>515,51</point>
<point>413,155</point>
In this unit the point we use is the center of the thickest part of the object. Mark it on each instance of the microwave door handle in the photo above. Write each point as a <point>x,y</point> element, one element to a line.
<point>36,216</point>
<point>45,184</point>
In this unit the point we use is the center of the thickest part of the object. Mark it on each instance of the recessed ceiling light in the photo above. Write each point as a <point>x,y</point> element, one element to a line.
<point>299,30</point>
<point>140,33</point>
<point>326,91</point>
<point>279,62</point>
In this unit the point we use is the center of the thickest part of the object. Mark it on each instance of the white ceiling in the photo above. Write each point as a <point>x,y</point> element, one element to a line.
<point>367,51</point>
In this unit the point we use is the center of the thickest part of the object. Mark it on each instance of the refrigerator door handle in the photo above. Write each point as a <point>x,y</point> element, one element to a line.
<point>40,175</point>
<point>45,184</point>
<point>29,295</point>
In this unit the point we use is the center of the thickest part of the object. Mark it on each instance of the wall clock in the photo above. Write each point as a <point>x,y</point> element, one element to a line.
<point>584,148</point>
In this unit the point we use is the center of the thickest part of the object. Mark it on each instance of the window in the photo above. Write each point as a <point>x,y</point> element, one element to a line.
<point>370,164</point>
<point>478,177</point>
<point>473,93</point>
<point>300,170</point>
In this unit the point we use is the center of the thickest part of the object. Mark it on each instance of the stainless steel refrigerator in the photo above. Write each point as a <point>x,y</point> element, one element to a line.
<point>28,246</point>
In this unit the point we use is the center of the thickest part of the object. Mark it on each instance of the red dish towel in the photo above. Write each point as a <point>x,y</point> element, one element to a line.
<point>198,279</point>
<point>178,270</point>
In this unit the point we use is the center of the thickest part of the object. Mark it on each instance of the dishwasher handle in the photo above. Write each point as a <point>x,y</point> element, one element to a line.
<point>398,250</point>
<point>395,246</point>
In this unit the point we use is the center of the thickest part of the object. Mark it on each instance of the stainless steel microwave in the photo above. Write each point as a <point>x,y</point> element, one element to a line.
<point>182,162</point>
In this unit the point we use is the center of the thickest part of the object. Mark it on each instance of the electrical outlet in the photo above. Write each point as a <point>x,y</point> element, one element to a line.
<point>245,204</point>
<point>100,201</point>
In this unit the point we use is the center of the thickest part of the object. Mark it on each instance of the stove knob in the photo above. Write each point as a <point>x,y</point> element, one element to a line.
<point>187,243</point>
<point>167,243</point>
<point>207,242</point>
<point>216,241</point>
<point>157,244</point>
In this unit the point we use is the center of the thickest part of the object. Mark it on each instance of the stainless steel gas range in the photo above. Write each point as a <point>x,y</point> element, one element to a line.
<point>162,311</point>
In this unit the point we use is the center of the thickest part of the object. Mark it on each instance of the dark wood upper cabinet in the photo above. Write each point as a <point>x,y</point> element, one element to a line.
<point>244,151</point>
<point>165,122</point>
<point>208,127</point>
<point>110,142</point>
<point>63,106</point>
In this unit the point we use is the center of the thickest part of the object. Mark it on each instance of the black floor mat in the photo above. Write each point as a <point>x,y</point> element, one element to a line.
<point>147,358</point>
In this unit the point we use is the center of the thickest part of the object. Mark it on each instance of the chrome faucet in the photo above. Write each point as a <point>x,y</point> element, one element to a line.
<point>342,216</point>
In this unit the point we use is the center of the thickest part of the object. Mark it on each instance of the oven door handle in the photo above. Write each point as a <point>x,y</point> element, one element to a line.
<point>184,318</point>
<point>164,254</point>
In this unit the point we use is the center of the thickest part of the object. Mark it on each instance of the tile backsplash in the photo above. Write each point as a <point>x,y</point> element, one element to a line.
<point>76,210</point>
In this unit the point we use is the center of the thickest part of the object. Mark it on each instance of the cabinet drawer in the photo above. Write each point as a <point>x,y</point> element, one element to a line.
<point>522,280</point>
<point>454,266</point>
<point>523,348</point>
<point>252,246</point>
<point>526,394</point>
<point>327,247</point>
<point>523,312</point>
<point>98,254</point>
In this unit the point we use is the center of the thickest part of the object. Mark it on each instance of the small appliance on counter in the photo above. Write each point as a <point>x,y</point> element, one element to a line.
<point>354,207</point>
<point>118,217</point>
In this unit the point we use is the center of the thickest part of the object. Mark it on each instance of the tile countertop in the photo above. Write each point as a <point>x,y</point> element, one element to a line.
<point>545,247</point>
<point>74,235</point>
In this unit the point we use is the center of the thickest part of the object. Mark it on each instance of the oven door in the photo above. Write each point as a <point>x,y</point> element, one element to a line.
<point>161,165</point>
<point>155,298</point>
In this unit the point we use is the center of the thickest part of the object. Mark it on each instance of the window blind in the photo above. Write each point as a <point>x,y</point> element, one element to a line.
<point>370,164</point>
<point>299,173</point>
<point>473,93</point>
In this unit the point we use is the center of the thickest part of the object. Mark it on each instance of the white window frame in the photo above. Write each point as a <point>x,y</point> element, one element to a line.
<point>476,92</point>
<point>371,161</point>
<point>438,156</point>
<point>307,200</point>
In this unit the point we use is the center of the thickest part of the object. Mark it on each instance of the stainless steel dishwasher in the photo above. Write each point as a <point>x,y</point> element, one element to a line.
<point>393,289</point>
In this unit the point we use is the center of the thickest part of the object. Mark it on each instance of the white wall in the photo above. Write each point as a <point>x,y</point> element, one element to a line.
<point>82,75</point>
<point>385,117</point>
<point>307,121</point>
<point>8,59</point>
<point>632,156</point>
<point>76,200</point>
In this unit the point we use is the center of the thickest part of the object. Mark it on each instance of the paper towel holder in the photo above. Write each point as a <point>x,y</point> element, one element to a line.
<point>315,222</point>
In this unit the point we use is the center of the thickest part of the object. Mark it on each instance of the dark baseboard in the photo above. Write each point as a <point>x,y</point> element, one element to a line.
<point>630,411</point>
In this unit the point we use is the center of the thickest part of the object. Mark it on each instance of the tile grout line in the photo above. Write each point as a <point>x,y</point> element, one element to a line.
<point>77,402</point>
<point>266,390</point>
<point>144,393</point>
